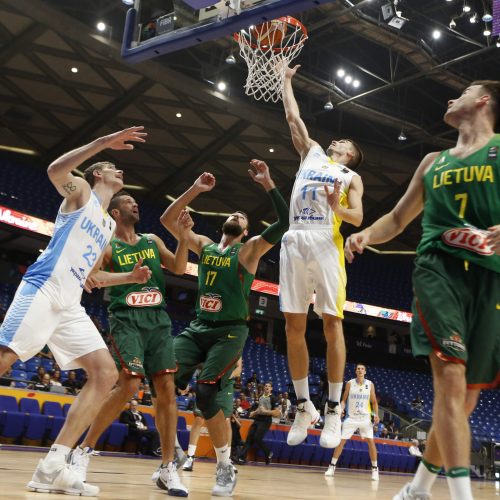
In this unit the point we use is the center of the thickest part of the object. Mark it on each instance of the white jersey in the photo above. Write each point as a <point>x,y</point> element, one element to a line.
<point>358,401</point>
<point>308,204</point>
<point>78,242</point>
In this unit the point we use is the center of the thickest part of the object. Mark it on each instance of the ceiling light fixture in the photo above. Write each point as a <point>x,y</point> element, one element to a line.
<point>178,115</point>
<point>487,17</point>
<point>355,84</point>
<point>128,2</point>
<point>498,42</point>
<point>74,69</point>
<point>230,59</point>
<point>101,26</point>
<point>436,34</point>
<point>473,18</point>
<point>221,86</point>
<point>402,136</point>
<point>340,73</point>
<point>348,79</point>
<point>271,150</point>
<point>487,31</point>
<point>466,7</point>
<point>328,106</point>
<point>453,24</point>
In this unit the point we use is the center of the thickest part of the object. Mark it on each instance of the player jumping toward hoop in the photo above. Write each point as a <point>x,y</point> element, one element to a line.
<point>312,259</point>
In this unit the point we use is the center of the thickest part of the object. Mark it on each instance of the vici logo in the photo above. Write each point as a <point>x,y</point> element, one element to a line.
<point>147,298</point>
<point>468,238</point>
<point>211,302</point>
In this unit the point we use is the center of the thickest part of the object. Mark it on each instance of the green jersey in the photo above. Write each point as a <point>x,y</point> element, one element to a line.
<point>462,200</point>
<point>223,285</point>
<point>123,259</point>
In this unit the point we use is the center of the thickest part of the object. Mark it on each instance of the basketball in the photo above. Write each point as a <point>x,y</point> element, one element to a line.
<point>269,34</point>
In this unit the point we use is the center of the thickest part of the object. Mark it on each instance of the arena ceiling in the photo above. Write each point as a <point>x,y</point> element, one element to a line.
<point>406,77</point>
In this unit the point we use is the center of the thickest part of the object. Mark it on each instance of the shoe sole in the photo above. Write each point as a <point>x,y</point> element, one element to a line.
<point>171,492</point>
<point>187,469</point>
<point>44,488</point>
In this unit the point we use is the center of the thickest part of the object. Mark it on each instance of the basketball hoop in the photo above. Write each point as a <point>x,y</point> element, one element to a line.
<point>268,49</point>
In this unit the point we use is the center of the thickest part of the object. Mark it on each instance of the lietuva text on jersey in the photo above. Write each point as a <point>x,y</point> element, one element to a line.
<point>216,261</point>
<point>472,173</point>
<point>132,258</point>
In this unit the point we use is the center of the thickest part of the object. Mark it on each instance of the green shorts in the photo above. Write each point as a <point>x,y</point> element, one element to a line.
<point>216,346</point>
<point>456,314</point>
<point>141,341</point>
<point>225,399</point>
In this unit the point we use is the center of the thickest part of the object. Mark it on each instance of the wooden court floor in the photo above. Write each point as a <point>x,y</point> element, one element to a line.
<point>122,478</point>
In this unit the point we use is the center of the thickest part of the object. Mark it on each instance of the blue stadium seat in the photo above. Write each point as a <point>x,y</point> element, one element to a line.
<point>29,405</point>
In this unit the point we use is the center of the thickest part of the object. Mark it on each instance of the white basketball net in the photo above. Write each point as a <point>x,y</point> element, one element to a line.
<point>267,65</point>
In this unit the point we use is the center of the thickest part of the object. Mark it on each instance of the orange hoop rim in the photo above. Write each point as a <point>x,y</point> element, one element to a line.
<point>286,19</point>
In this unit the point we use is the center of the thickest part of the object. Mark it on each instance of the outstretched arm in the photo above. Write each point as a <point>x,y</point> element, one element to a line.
<point>353,213</point>
<point>300,136</point>
<point>177,263</point>
<point>393,223</point>
<point>257,246</point>
<point>170,217</point>
<point>74,188</point>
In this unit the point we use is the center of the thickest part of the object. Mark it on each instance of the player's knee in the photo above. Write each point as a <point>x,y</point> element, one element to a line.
<point>206,399</point>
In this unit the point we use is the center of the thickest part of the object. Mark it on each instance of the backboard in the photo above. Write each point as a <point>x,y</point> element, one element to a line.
<point>157,27</point>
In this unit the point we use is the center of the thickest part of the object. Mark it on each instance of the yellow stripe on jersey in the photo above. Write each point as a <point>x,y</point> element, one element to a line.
<point>338,241</point>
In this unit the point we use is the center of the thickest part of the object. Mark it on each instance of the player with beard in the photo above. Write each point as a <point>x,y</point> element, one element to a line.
<point>141,338</point>
<point>216,337</point>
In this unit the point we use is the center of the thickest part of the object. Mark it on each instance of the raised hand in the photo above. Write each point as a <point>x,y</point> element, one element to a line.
<point>119,140</point>
<point>205,182</point>
<point>290,72</point>
<point>261,174</point>
<point>185,224</point>
<point>92,282</point>
<point>140,273</point>
<point>333,197</point>
<point>357,242</point>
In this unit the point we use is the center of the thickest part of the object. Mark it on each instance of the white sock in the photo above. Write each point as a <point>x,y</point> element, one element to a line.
<point>334,461</point>
<point>460,488</point>
<point>374,464</point>
<point>334,391</point>
<point>191,450</point>
<point>223,454</point>
<point>301,387</point>
<point>424,479</point>
<point>57,454</point>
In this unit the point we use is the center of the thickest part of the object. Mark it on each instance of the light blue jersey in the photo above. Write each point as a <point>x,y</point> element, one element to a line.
<point>78,242</point>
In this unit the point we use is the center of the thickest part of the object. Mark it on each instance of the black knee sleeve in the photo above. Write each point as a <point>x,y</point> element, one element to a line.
<point>206,399</point>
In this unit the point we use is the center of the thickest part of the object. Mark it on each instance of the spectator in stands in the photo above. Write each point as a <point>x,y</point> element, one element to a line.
<point>395,435</point>
<point>418,402</point>
<point>40,372</point>
<point>147,398</point>
<point>237,406</point>
<point>55,378</point>
<point>376,431</point>
<point>238,384</point>
<point>43,385</point>
<point>245,404</point>
<point>5,379</point>
<point>267,408</point>
<point>254,380</point>
<point>414,449</point>
<point>384,433</point>
<point>138,429</point>
<point>236,441</point>
<point>72,384</point>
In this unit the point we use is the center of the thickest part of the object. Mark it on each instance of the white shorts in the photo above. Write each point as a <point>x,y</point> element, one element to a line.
<point>351,425</point>
<point>310,260</point>
<point>34,319</point>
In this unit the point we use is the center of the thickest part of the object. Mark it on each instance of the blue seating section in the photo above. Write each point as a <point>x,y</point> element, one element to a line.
<point>397,386</point>
<point>25,423</point>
